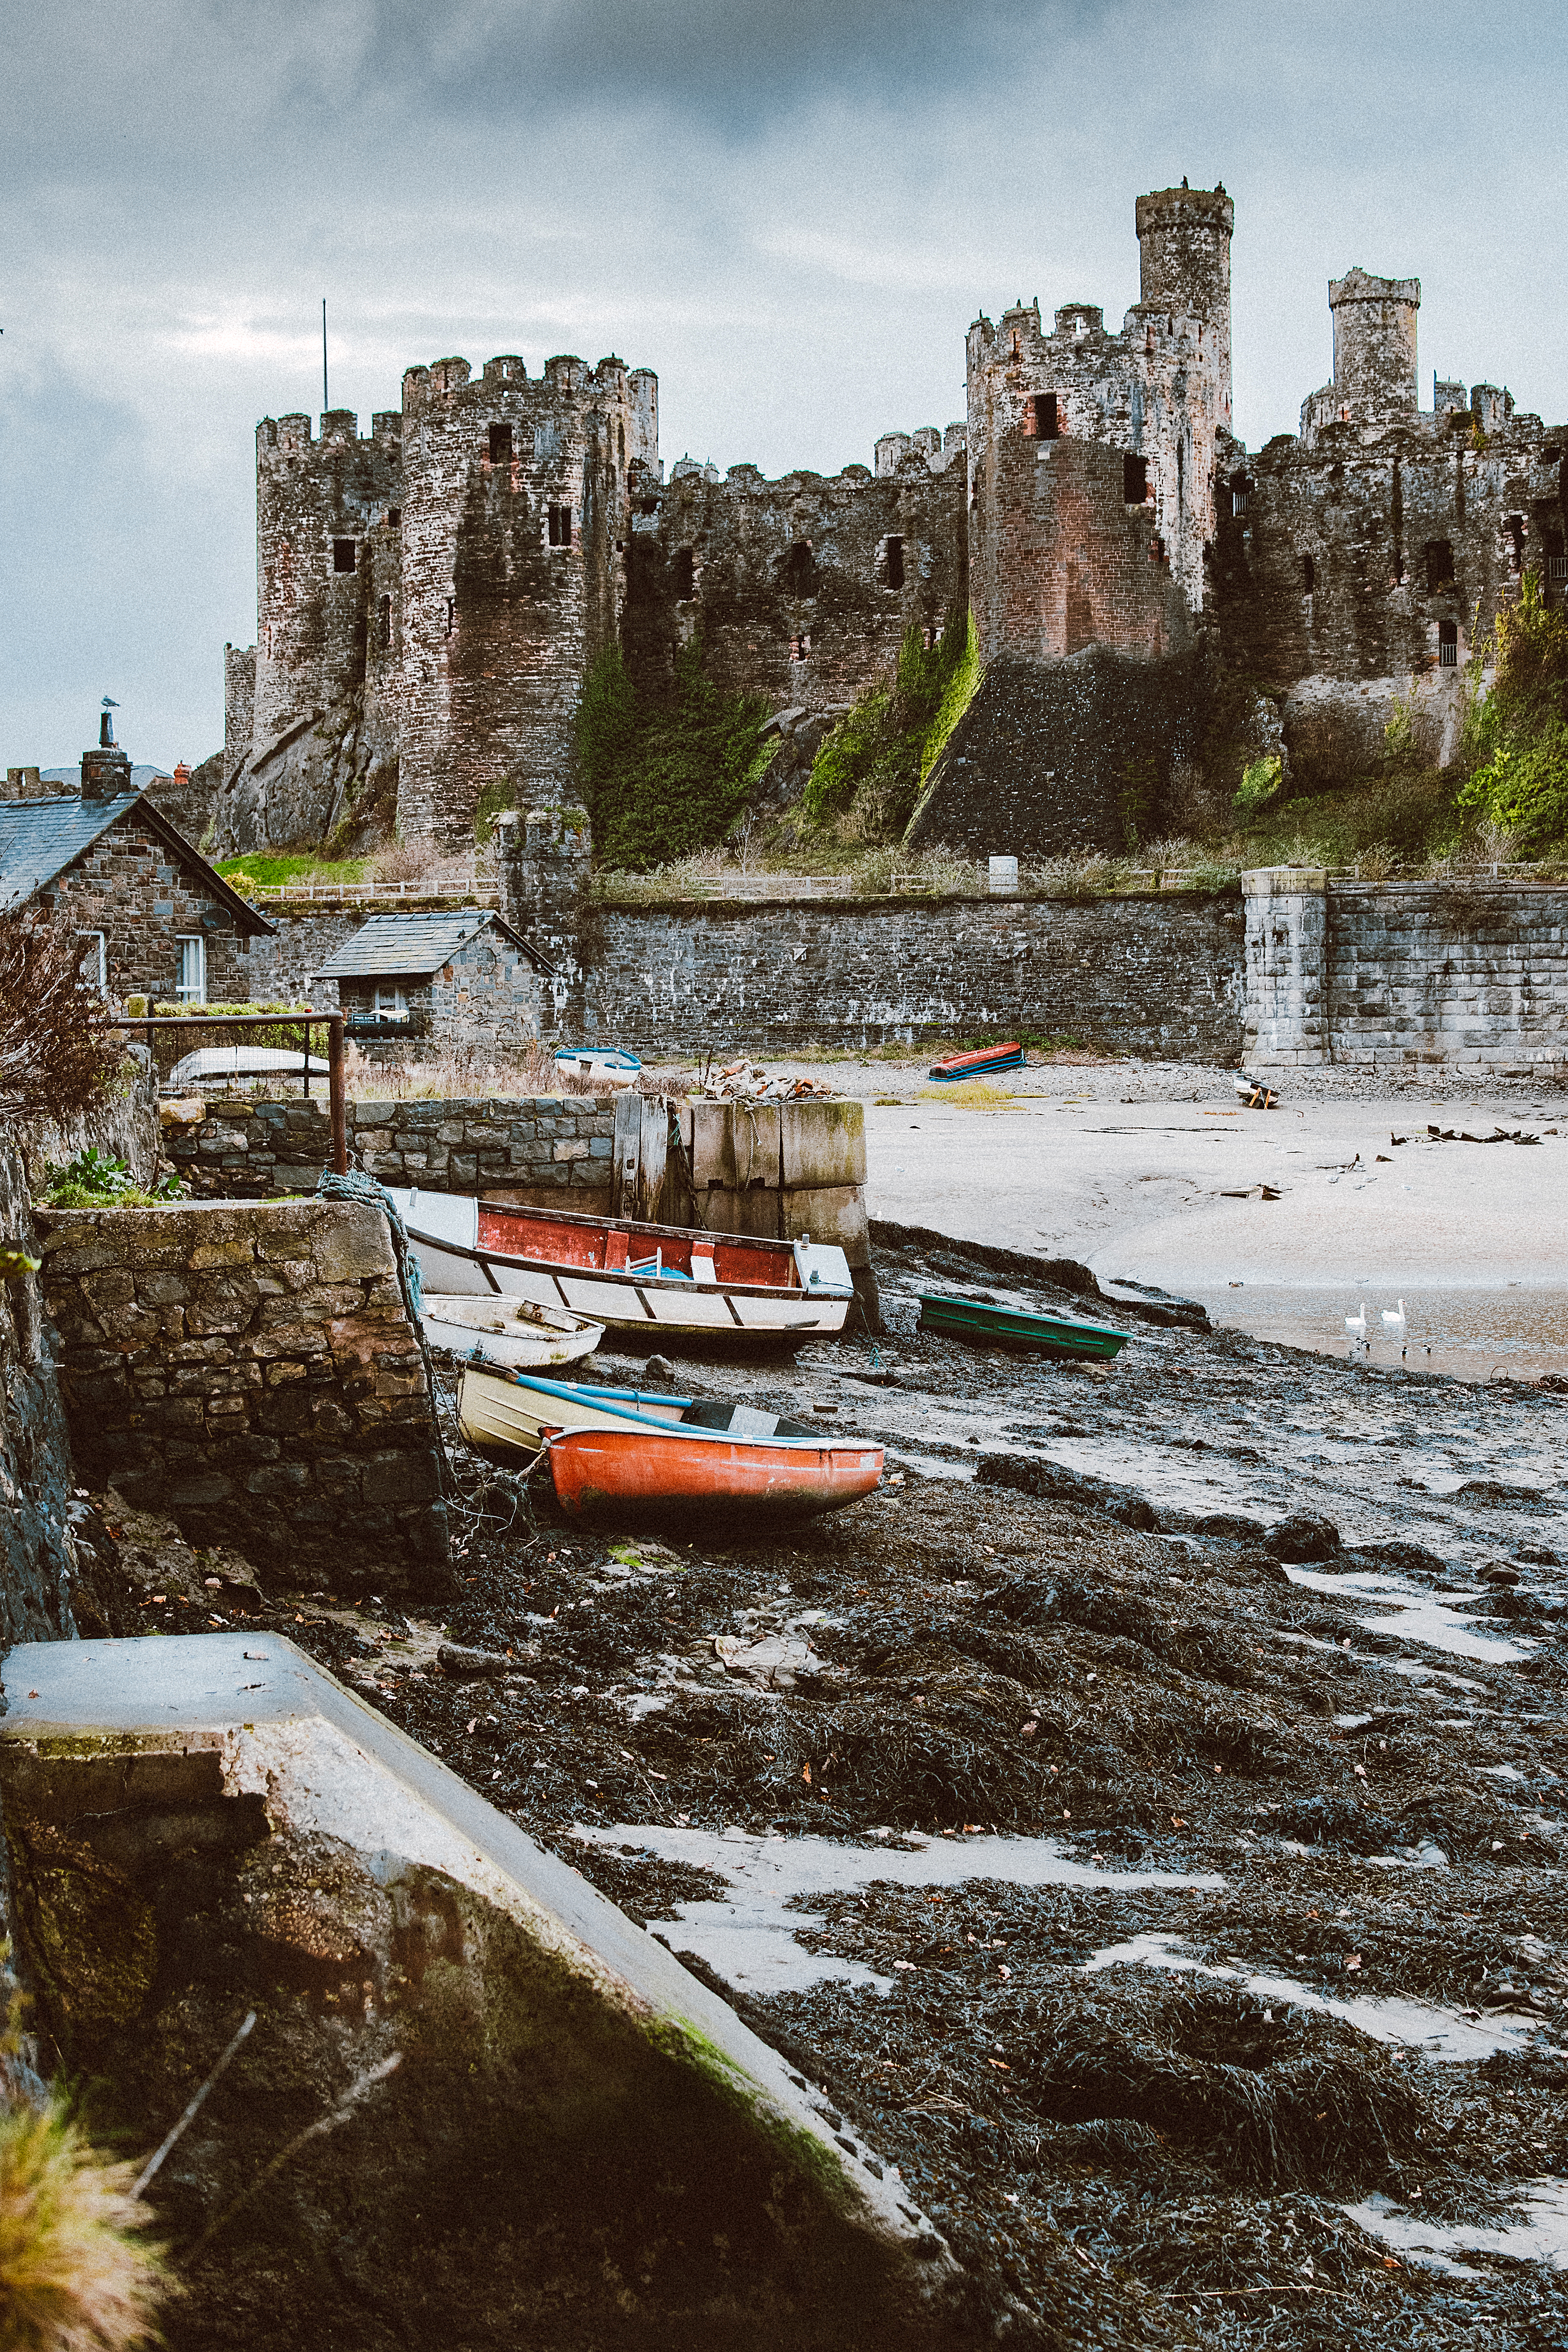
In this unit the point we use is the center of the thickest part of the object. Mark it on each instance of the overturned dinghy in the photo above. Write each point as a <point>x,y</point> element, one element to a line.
<point>981,1063</point>
<point>513,1332</point>
<point>1019,1327</point>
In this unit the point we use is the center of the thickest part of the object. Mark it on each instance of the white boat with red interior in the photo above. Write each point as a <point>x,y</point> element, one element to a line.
<point>631,1277</point>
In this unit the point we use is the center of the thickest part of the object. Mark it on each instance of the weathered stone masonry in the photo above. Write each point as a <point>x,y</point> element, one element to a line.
<point>251,1371</point>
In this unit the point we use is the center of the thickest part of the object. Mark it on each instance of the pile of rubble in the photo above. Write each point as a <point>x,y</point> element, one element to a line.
<point>749,1082</point>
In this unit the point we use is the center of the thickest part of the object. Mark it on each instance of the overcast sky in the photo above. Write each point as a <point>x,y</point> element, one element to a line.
<point>790,208</point>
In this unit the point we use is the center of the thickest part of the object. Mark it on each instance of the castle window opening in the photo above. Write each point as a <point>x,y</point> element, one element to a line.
<point>1447,644</point>
<point>344,551</point>
<point>800,570</point>
<point>1134,479</point>
<point>559,526</point>
<point>685,575</point>
<point>384,624</point>
<point>1514,525</point>
<point>1556,561</point>
<point>451,615</point>
<point>894,564</point>
<point>395,518</point>
<point>1156,549</point>
<point>1309,576</point>
<point>800,647</point>
<point>1239,488</point>
<point>1439,564</point>
<point>501,445</point>
<point>191,981</point>
<point>1047,425</point>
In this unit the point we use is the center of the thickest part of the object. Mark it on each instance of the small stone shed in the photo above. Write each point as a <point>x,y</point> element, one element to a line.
<point>458,977</point>
<point>154,919</point>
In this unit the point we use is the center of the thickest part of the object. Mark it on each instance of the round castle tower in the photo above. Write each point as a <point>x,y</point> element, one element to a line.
<point>1184,240</point>
<point>1375,340</point>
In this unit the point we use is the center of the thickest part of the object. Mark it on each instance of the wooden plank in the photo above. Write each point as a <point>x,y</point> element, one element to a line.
<point>822,1143</point>
<point>652,1158</point>
<point>627,1154</point>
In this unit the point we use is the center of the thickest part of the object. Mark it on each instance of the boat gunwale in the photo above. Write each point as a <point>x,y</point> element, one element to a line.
<point>986,1310</point>
<point>646,1423</point>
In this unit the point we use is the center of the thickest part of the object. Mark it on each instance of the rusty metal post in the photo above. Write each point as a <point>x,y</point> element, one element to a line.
<point>336,1094</point>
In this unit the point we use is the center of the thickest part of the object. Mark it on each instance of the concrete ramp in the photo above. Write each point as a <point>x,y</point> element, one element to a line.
<point>505,2115</point>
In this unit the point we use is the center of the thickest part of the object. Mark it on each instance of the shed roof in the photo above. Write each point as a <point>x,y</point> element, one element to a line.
<point>415,945</point>
<point>38,839</point>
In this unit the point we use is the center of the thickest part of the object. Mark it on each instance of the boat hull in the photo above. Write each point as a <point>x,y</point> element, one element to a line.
<point>511,1416</point>
<point>661,1475</point>
<point>514,1333</point>
<point>469,1249</point>
<point>1017,1327</point>
<point>978,1064</point>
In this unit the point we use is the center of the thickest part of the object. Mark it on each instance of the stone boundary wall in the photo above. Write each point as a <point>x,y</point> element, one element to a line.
<point>252,1371</point>
<point>1142,975</point>
<point>1462,972</point>
<point>542,1147</point>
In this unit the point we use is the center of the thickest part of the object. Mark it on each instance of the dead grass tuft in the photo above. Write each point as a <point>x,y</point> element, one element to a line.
<point>74,2274</point>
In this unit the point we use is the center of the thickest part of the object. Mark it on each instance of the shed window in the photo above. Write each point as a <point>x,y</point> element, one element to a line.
<point>94,964</point>
<point>384,624</point>
<point>1309,576</point>
<point>1043,408</point>
<point>1439,564</point>
<point>685,575</point>
<point>389,1002</point>
<point>1448,645</point>
<point>559,526</point>
<point>893,563</point>
<point>344,554</point>
<point>191,983</point>
<point>1134,479</point>
<point>501,445</point>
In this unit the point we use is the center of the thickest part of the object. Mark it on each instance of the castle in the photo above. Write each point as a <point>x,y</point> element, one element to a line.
<point>430,597</point>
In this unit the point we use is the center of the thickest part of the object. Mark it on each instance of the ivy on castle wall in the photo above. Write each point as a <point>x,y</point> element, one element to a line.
<point>664,776</point>
<point>870,771</point>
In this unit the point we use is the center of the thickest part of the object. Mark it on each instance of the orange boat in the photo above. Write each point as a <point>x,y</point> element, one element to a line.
<point>662,1471</point>
<point>978,1064</point>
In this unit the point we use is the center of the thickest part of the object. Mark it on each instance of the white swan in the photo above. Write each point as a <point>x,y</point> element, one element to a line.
<point>1356,1324</point>
<point>1393,1319</point>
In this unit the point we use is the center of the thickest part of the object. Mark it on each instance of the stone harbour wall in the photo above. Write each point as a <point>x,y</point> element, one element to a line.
<point>35,1474</point>
<point>1153,976</point>
<point>252,1371</point>
<point>540,1147</point>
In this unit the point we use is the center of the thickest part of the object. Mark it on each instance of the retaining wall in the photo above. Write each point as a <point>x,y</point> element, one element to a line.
<point>252,1372</point>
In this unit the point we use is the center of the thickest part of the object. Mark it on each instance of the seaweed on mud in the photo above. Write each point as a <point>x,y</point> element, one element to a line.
<point>1263,2094</point>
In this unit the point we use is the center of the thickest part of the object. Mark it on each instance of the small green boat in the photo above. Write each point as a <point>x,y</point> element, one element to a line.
<point>1018,1327</point>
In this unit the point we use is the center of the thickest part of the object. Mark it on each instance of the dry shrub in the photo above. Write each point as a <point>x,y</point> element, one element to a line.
<point>74,2277</point>
<point>461,1073</point>
<point>422,865</point>
<point>57,1054</point>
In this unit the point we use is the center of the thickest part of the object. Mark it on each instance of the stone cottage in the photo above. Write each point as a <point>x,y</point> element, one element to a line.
<point>154,919</point>
<point>460,977</point>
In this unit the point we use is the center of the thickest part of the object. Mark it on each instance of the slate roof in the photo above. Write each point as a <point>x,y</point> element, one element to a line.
<point>38,839</point>
<point>415,945</point>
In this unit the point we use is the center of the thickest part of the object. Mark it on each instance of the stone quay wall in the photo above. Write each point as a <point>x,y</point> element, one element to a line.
<point>1453,972</point>
<point>539,1147</point>
<point>1146,975</point>
<point>252,1372</point>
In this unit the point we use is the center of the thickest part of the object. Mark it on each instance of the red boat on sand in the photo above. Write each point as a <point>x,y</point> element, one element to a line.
<point>978,1064</point>
<point>656,1472</point>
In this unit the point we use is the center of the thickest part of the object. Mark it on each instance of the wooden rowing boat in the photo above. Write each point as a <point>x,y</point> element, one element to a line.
<point>633,1276</point>
<point>662,1473</point>
<point>978,1064</point>
<point>599,1065</point>
<point>513,1332</point>
<point>1018,1327</point>
<point>510,1415</point>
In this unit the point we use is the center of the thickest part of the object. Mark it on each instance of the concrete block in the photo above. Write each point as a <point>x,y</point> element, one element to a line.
<point>556,2132</point>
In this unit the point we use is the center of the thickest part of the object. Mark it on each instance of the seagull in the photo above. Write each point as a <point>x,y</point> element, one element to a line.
<point>1394,1319</point>
<point>1356,1324</point>
<point>109,703</point>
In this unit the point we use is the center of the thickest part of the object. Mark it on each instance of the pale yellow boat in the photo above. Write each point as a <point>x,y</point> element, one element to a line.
<point>516,1333</point>
<point>507,1416</point>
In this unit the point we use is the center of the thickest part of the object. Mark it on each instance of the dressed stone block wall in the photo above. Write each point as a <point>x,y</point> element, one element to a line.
<point>251,1371</point>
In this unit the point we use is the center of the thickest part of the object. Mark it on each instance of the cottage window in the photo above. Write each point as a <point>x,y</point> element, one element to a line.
<point>559,526</point>
<point>384,626</point>
<point>1134,479</point>
<point>685,575</point>
<point>893,563</point>
<point>501,445</point>
<point>390,1002</point>
<point>190,984</point>
<point>344,553</point>
<point>94,961</point>
<point>1447,644</point>
<point>1439,564</point>
<point>1043,409</point>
